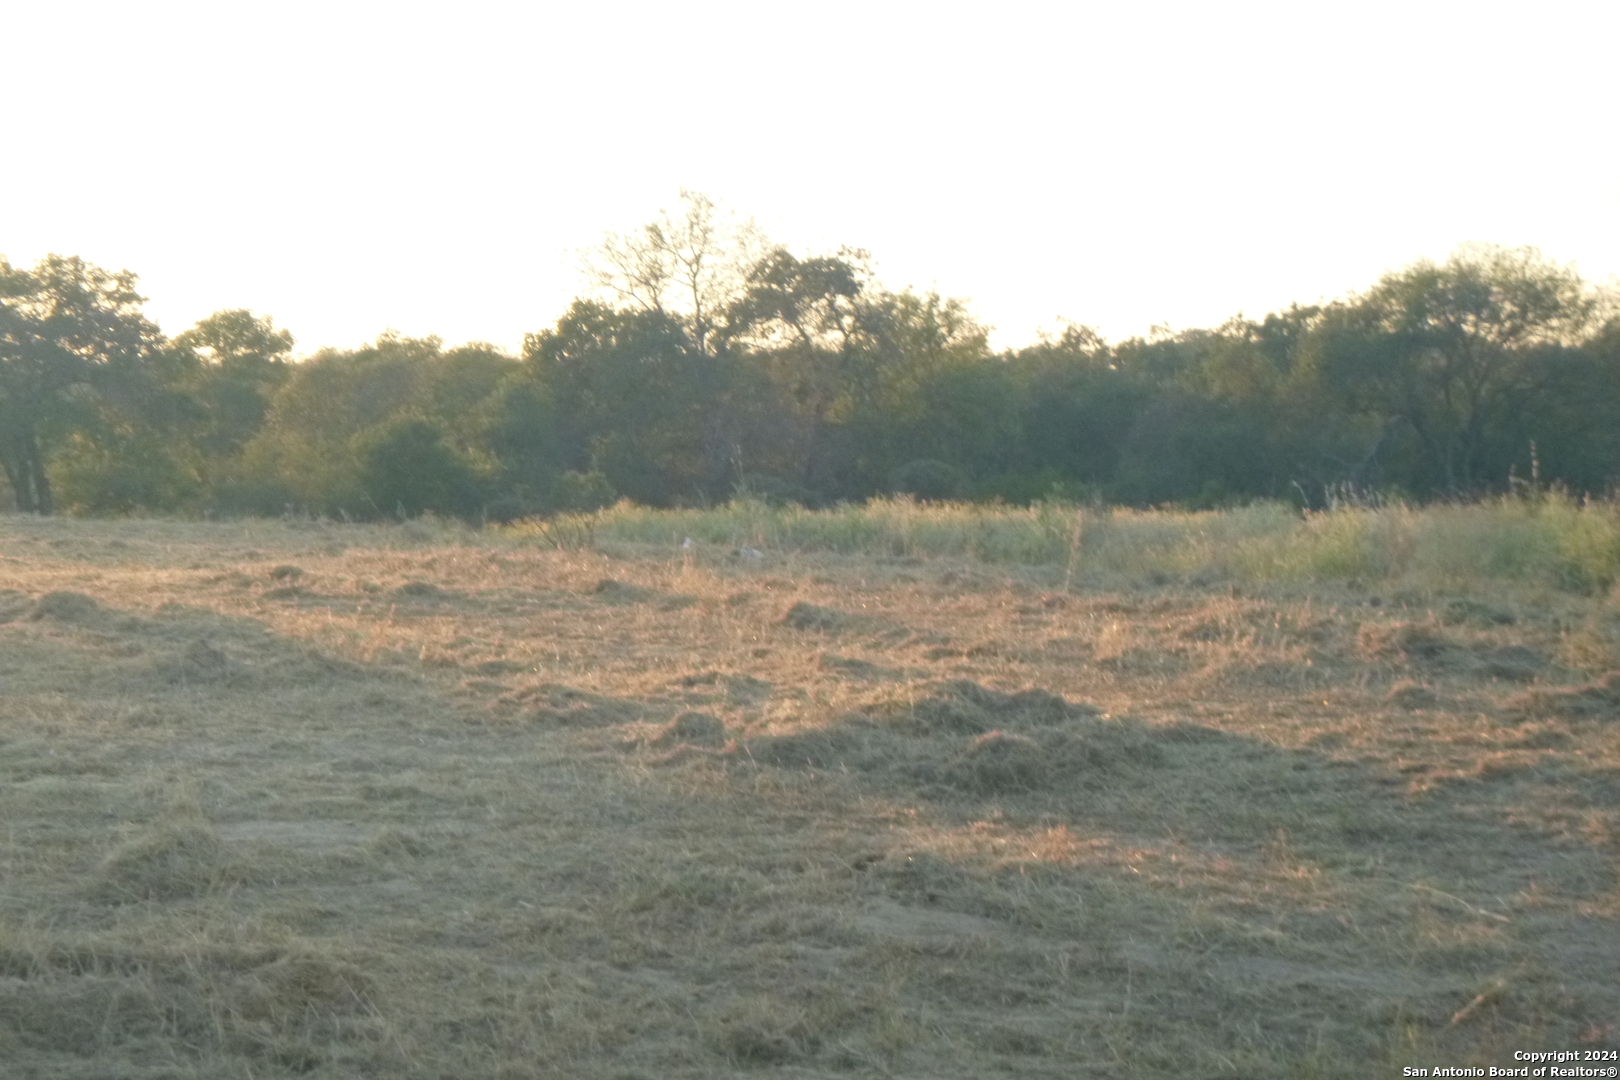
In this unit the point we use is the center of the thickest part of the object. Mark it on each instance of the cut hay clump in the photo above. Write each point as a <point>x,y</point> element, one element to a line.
<point>807,616</point>
<point>67,607</point>
<point>1409,641</point>
<point>1064,761</point>
<point>610,591</point>
<point>421,590</point>
<point>201,662</point>
<point>622,592</point>
<point>107,995</point>
<point>963,707</point>
<point>855,743</point>
<point>1597,700</point>
<point>999,762</point>
<point>1407,694</point>
<point>1024,740</point>
<point>691,729</point>
<point>282,991</point>
<point>173,861</point>
<point>1515,663</point>
<point>755,1033</point>
<point>13,605</point>
<point>555,703</point>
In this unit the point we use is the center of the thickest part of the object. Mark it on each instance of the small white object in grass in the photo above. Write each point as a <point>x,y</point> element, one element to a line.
<point>687,544</point>
<point>751,553</point>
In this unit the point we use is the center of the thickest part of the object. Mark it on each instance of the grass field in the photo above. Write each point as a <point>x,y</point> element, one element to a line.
<point>1162,796</point>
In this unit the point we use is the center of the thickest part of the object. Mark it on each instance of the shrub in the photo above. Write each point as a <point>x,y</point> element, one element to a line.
<point>582,493</point>
<point>140,475</point>
<point>775,491</point>
<point>407,467</point>
<point>928,479</point>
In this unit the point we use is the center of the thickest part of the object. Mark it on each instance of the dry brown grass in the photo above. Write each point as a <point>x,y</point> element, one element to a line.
<point>316,800</point>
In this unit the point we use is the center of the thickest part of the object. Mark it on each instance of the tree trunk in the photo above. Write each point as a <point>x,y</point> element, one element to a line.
<point>19,476</point>
<point>25,468</point>
<point>14,478</point>
<point>43,504</point>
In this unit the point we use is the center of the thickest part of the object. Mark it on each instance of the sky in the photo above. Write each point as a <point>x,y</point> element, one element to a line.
<point>348,168</point>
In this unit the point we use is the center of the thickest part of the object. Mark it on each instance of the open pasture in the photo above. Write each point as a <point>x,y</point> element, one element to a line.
<point>305,799</point>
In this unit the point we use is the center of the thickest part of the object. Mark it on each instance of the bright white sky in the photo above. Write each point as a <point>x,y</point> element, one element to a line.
<point>436,168</point>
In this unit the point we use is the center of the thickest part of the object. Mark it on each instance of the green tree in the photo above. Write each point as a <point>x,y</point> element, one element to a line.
<point>237,339</point>
<point>635,400</point>
<point>1076,405</point>
<point>407,467</point>
<point>123,472</point>
<point>1460,353</point>
<point>865,379</point>
<point>306,452</point>
<point>304,455</point>
<point>518,428</point>
<point>937,392</point>
<point>456,390</point>
<point>1577,436</point>
<point>1290,434</point>
<point>242,359</point>
<point>70,332</point>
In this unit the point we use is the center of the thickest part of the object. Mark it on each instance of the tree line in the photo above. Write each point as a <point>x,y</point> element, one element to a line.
<point>708,364</point>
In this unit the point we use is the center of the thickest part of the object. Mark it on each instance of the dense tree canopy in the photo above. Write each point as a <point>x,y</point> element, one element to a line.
<point>1463,355</point>
<point>710,364</point>
<point>240,359</point>
<point>74,348</point>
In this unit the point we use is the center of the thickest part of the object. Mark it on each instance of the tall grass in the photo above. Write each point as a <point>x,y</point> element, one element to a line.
<point>1548,539</point>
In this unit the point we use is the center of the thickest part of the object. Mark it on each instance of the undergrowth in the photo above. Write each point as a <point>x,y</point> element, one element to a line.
<point>1548,539</point>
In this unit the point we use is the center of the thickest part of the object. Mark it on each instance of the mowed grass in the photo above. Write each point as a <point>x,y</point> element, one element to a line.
<point>303,799</point>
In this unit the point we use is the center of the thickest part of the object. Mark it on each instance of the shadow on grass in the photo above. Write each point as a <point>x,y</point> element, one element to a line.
<point>968,883</point>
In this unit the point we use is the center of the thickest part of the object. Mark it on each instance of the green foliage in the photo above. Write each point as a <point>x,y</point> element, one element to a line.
<point>1190,450</point>
<point>73,343</point>
<point>1076,405</point>
<point>458,387</point>
<point>928,480</point>
<point>1460,354</point>
<point>1553,543</point>
<point>407,468</point>
<point>142,474</point>
<point>733,369</point>
<point>1588,546</point>
<point>581,493</point>
<point>867,380</point>
<point>633,400</point>
<point>241,359</point>
<point>318,447</point>
<point>237,340</point>
<point>774,491</point>
<point>517,426</point>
